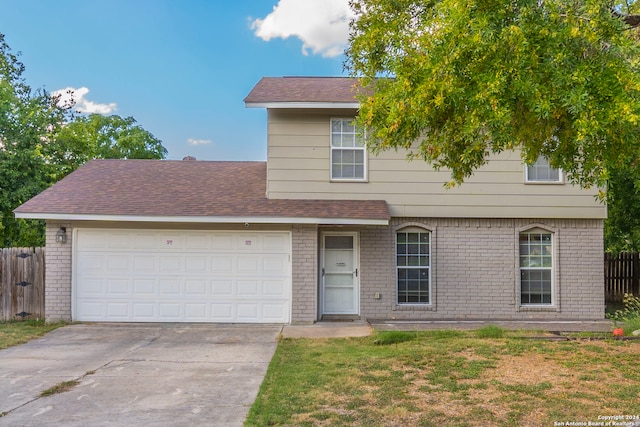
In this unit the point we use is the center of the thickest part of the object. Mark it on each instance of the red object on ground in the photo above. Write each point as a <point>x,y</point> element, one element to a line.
<point>618,332</point>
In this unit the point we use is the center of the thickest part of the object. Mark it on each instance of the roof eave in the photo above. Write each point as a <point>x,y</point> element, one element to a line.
<point>304,105</point>
<point>205,219</point>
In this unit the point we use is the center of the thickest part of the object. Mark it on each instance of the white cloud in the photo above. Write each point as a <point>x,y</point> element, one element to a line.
<point>322,25</point>
<point>192,141</point>
<point>76,97</point>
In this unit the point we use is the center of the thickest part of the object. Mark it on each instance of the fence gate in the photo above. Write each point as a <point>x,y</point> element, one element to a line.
<point>21,283</point>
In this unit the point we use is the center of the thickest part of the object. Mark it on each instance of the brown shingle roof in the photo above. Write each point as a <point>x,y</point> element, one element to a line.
<point>303,89</point>
<point>161,188</point>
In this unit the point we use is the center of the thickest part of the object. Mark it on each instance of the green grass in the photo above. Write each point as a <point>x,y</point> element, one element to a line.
<point>450,378</point>
<point>14,333</point>
<point>60,388</point>
<point>490,331</point>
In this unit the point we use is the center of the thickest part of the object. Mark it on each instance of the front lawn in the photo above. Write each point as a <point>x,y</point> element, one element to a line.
<point>448,378</point>
<point>14,333</point>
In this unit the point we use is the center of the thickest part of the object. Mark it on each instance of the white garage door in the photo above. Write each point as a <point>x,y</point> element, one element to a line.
<point>182,276</point>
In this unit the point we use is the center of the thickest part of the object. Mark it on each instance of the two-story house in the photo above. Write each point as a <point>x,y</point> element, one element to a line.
<point>321,229</point>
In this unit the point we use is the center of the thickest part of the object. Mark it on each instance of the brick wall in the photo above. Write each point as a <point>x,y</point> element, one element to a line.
<point>305,274</point>
<point>475,270</point>
<point>57,289</point>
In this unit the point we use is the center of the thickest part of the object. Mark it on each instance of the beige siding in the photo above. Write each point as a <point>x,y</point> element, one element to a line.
<point>299,167</point>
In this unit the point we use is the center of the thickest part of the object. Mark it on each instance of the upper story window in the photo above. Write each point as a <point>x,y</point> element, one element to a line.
<point>348,153</point>
<point>541,171</point>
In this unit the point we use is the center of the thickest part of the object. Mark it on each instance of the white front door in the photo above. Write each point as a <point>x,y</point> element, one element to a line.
<point>340,290</point>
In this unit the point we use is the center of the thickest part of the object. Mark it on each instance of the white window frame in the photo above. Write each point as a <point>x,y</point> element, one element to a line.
<point>542,162</point>
<point>551,269</point>
<point>336,148</point>
<point>429,267</point>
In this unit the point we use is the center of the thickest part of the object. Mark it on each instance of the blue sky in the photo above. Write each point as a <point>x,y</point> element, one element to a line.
<point>181,68</point>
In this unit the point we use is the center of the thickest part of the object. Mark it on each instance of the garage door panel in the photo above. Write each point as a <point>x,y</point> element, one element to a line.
<point>144,311</point>
<point>171,264</point>
<point>144,288</point>
<point>182,276</point>
<point>170,287</point>
<point>197,264</point>
<point>248,312</point>
<point>275,264</point>
<point>248,264</point>
<point>198,242</point>
<point>248,288</point>
<point>276,243</point>
<point>222,264</point>
<point>92,288</point>
<point>222,288</point>
<point>88,310</point>
<point>274,288</point>
<point>169,312</point>
<point>118,311</point>
<point>118,287</point>
<point>272,312</point>
<point>196,311</point>
<point>222,242</point>
<point>91,264</point>
<point>118,263</point>
<point>118,240</point>
<point>144,264</point>
<point>89,240</point>
<point>195,288</point>
<point>144,241</point>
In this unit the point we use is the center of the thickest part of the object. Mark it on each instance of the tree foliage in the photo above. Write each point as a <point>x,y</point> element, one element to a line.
<point>622,227</point>
<point>28,121</point>
<point>104,137</point>
<point>41,142</point>
<point>463,80</point>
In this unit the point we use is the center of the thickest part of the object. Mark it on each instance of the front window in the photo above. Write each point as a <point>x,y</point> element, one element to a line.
<point>348,153</point>
<point>542,171</point>
<point>536,267</point>
<point>413,264</point>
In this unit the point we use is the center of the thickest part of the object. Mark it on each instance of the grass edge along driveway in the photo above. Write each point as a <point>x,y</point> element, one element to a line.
<point>488,377</point>
<point>19,332</point>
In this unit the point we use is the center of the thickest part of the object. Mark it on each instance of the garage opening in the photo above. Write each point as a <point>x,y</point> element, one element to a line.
<point>181,276</point>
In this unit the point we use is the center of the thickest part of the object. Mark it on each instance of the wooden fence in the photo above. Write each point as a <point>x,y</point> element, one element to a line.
<point>21,283</point>
<point>621,275</point>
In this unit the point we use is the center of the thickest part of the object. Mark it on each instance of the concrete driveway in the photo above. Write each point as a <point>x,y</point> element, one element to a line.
<point>137,374</point>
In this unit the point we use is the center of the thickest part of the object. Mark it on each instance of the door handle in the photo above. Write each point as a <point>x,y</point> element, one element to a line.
<point>356,272</point>
<point>322,271</point>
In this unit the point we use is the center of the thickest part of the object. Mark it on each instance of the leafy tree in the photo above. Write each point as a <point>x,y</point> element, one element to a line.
<point>41,142</point>
<point>555,78</point>
<point>104,137</point>
<point>622,227</point>
<point>28,121</point>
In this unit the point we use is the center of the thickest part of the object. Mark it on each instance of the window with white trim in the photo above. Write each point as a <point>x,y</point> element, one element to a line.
<point>536,267</point>
<point>348,152</point>
<point>413,267</point>
<point>542,171</point>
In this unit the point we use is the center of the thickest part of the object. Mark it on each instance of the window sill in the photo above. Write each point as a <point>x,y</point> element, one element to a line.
<point>414,307</point>
<point>349,180</point>
<point>544,182</point>
<point>538,308</point>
